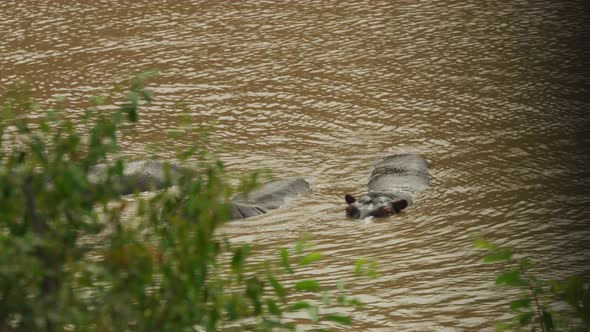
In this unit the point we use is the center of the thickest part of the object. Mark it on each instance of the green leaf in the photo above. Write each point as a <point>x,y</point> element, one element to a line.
<point>483,243</point>
<point>254,291</point>
<point>358,266</point>
<point>498,255</point>
<point>372,271</point>
<point>273,308</point>
<point>511,278</point>
<point>309,285</point>
<point>501,327</point>
<point>576,292</point>
<point>118,168</point>
<point>299,305</point>
<point>131,107</point>
<point>285,260</point>
<point>519,304</point>
<point>345,320</point>
<point>311,258</point>
<point>547,320</point>
<point>354,302</point>
<point>299,246</point>
<point>45,127</point>
<point>273,325</point>
<point>239,259</point>
<point>525,318</point>
<point>525,264</point>
<point>147,96</point>
<point>278,288</point>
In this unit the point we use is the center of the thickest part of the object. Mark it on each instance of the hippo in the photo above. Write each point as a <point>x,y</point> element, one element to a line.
<point>148,175</point>
<point>393,184</point>
<point>141,176</point>
<point>269,196</point>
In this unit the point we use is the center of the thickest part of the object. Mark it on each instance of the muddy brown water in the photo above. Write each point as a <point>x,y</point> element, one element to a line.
<point>496,95</point>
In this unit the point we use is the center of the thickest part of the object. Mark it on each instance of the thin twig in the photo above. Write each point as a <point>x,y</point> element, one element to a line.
<point>536,299</point>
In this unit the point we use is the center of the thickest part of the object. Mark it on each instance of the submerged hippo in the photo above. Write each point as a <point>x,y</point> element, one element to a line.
<point>147,175</point>
<point>394,182</point>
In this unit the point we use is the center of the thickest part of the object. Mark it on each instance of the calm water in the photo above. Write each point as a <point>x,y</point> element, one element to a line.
<point>496,96</point>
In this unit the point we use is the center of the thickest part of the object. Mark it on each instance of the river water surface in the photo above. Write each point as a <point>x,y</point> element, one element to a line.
<point>496,96</point>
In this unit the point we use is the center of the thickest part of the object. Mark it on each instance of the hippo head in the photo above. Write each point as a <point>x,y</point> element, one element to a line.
<point>374,205</point>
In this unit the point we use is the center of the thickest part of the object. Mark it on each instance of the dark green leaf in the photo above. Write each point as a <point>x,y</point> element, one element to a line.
<point>131,107</point>
<point>278,288</point>
<point>498,255</point>
<point>576,292</point>
<point>547,320</point>
<point>272,307</point>
<point>338,319</point>
<point>299,305</point>
<point>238,260</point>
<point>511,278</point>
<point>309,285</point>
<point>254,291</point>
<point>285,260</point>
<point>519,304</point>
<point>525,318</point>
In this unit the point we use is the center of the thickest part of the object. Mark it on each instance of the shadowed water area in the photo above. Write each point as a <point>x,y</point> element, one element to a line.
<point>497,97</point>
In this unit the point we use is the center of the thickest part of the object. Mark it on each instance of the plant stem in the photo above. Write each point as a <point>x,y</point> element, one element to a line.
<point>39,226</point>
<point>535,298</point>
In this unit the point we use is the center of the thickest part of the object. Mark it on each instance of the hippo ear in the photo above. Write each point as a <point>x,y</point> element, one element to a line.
<point>349,199</point>
<point>397,206</point>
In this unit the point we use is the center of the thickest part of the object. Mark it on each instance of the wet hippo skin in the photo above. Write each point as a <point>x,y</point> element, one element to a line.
<point>394,182</point>
<point>149,175</point>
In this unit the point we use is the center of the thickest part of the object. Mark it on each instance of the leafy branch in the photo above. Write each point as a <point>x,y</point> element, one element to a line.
<point>534,308</point>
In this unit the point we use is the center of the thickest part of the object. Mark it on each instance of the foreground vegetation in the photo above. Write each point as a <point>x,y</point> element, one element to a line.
<point>543,305</point>
<point>70,261</point>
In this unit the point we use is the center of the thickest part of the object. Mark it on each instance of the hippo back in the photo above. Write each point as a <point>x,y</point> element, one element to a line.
<point>147,175</point>
<point>272,195</point>
<point>243,211</point>
<point>141,175</point>
<point>405,175</point>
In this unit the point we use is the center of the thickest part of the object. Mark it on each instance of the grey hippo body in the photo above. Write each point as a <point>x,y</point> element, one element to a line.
<point>394,182</point>
<point>148,175</point>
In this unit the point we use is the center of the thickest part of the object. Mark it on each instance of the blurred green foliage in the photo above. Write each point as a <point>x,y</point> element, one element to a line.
<point>70,261</point>
<point>543,305</point>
